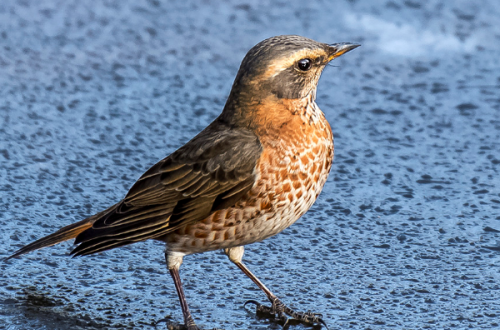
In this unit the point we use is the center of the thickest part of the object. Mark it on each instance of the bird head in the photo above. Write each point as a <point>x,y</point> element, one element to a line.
<point>279,69</point>
<point>286,66</point>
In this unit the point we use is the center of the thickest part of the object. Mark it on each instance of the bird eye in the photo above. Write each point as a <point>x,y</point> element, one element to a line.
<point>304,64</point>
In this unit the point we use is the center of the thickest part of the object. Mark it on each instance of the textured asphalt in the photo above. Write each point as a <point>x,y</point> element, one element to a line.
<point>404,236</point>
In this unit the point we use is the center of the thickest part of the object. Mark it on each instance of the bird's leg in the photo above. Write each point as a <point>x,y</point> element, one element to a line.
<point>188,319</point>
<point>173,263</point>
<point>277,308</point>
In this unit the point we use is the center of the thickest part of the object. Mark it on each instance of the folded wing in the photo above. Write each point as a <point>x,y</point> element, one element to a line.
<point>211,172</point>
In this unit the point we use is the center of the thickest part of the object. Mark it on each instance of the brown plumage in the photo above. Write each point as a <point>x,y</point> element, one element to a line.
<point>247,176</point>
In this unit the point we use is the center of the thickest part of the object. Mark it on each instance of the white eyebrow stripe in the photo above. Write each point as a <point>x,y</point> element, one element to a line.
<point>282,64</point>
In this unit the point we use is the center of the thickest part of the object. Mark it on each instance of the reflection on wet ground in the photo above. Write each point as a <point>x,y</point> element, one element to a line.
<point>405,234</point>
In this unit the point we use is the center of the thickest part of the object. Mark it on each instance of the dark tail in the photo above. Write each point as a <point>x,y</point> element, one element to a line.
<point>59,236</point>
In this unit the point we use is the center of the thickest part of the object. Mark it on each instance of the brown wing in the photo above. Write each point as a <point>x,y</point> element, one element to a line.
<point>212,171</point>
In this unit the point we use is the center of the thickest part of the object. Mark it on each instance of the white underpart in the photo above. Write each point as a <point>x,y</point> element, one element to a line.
<point>174,259</point>
<point>235,254</point>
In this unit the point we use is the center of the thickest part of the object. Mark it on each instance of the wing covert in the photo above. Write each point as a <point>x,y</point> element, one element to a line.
<point>212,171</point>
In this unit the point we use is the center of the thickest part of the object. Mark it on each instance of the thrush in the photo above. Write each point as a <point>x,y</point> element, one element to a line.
<point>250,174</point>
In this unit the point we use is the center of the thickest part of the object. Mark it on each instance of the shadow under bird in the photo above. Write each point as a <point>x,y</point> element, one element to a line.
<point>250,174</point>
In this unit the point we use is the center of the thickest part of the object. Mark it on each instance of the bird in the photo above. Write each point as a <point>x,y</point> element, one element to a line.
<point>251,173</point>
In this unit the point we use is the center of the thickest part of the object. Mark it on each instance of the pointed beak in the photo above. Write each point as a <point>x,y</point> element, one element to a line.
<point>339,49</point>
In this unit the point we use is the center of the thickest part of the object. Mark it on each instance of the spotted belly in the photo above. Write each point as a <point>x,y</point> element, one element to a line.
<point>290,175</point>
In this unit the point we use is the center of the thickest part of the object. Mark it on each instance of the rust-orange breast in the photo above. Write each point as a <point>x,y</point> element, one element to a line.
<point>293,168</point>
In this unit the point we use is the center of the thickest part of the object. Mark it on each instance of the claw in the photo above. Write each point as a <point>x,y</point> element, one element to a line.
<point>323,322</point>
<point>279,311</point>
<point>261,309</point>
<point>175,326</point>
<point>166,320</point>
<point>251,302</point>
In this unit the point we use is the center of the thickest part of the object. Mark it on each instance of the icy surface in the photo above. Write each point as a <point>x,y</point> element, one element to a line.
<point>404,234</point>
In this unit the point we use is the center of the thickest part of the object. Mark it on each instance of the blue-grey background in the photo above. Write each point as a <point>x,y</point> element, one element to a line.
<point>92,93</point>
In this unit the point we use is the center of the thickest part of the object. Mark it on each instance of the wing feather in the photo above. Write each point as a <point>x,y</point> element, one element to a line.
<point>212,171</point>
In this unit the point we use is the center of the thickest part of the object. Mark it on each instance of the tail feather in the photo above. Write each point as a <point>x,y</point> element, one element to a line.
<point>62,234</point>
<point>59,236</point>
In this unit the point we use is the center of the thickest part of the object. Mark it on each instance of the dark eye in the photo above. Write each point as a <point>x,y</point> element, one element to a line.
<point>304,64</point>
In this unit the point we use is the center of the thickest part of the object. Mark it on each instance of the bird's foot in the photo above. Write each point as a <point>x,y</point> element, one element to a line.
<point>176,326</point>
<point>279,311</point>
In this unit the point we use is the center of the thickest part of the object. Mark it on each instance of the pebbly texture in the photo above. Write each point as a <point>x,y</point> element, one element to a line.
<point>404,234</point>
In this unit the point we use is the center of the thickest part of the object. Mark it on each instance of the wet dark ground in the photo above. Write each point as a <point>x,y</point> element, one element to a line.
<point>404,236</point>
